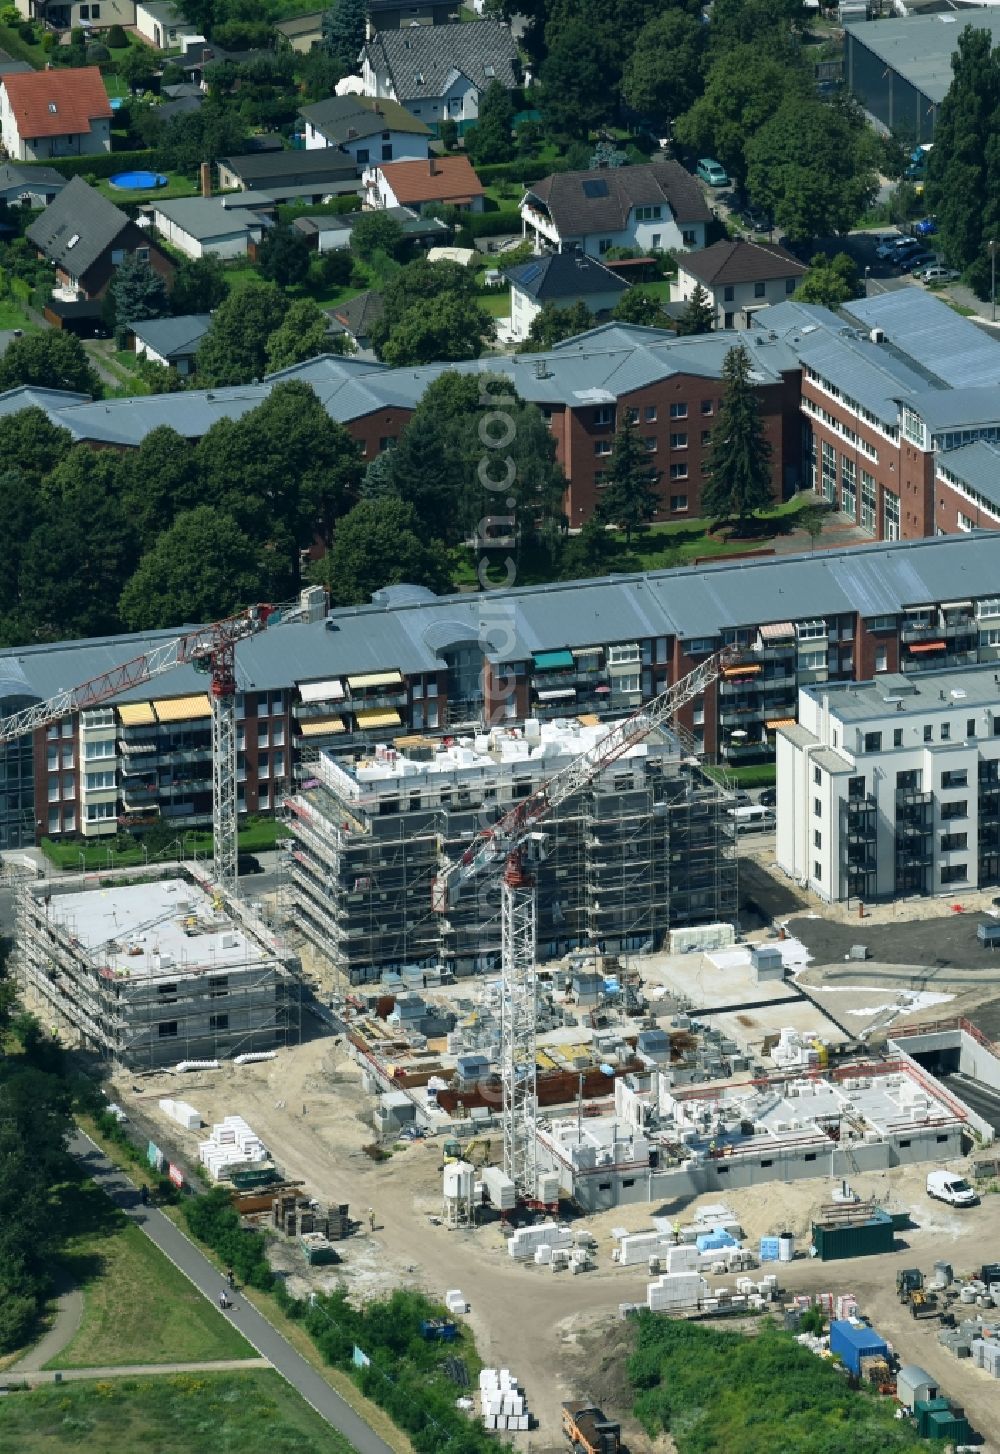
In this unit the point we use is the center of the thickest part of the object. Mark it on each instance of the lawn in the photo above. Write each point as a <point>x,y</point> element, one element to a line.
<point>256,837</point>
<point>255,1412</point>
<point>178,185</point>
<point>138,1308</point>
<point>12,43</point>
<point>11,316</point>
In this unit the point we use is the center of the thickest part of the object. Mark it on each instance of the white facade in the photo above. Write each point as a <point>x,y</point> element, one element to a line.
<point>459,102</point>
<point>44,148</point>
<point>734,303</point>
<point>524,308</point>
<point>228,242</point>
<point>648,234</point>
<point>162,25</point>
<point>892,788</point>
<point>99,13</point>
<point>385,146</point>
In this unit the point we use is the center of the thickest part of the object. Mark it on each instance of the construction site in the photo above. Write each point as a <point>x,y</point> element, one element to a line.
<point>641,847</point>
<point>152,971</point>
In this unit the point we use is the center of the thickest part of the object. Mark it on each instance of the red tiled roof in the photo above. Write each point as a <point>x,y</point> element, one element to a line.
<point>442,179</point>
<point>57,103</point>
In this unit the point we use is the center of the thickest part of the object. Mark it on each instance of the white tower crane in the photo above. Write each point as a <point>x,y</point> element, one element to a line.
<point>210,649</point>
<point>509,842</point>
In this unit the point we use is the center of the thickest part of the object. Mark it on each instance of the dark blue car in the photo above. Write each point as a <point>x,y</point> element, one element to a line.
<point>925,227</point>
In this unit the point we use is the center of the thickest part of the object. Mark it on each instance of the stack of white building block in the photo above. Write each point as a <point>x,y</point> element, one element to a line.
<point>504,1403</point>
<point>675,1290</point>
<point>986,1354</point>
<point>232,1143</point>
<point>526,1241</point>
<point>454,1301</point>
<point>182,1113</point>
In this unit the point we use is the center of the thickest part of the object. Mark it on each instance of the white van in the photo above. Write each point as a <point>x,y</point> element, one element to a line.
<point>754,819</point>
<point>945,1186</point>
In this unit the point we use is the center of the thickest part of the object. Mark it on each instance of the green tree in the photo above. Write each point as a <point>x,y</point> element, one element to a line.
<point>20,511</point>
<point>199,285</point>
<point>50,360</point>
<point>492,137</point>
<point>830,281</point>
<point>31,444</point>
<point>699,313</point>
<point>137,68</point>
<point>445,329</point>
<point>160,481</point>
<point>344,31</point>
<point>963,170</point>
<point>638,306</point>
<point>139,293</point>
<point>448,132</point>
<point>304,334</point>
<point>575,92</point>
<point>758,23</point>
<point>551,324</point>
<point>376,232</point>
<point>234,350</point>
<point>739,466</point>
<point>663,78</point>
<point>379,543</point>
<point>630,498</point>
<point>811,167</point>
<point>200,569</point>
<point>283,257</point>
<point>589,553</point>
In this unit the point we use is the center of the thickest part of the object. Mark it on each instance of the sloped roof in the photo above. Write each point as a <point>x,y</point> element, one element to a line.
<point>360,312</point>
<point>560,275</point>
<point>291,168</point>
<point>600,200</point>
<point>301,24</point>
<point>348,118</point>
<point>976,465</point>
<point>56,103</point>
<point>741,262</point>
<point>76,228</point>
<point>207,217</point>
<point>434,180</point>
<point>423,59</point>
<point>958,352</point>
<point>11,175</point>
<point>172,337</point>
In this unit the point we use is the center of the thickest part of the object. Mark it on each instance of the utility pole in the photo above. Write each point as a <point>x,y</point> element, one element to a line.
<point>993,279</point>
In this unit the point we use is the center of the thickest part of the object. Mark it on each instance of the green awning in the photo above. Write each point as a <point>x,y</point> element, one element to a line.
<point>553,660</point>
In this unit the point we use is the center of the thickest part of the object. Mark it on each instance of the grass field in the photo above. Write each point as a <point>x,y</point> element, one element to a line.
<point>256,837</point>
<point>137,1307</point>
<point>205,1413</point>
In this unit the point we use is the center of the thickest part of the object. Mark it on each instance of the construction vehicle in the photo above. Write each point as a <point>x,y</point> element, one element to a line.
<point>513,844</point>
<point>911,1290</point>
<point>588,1431</point>
<point>908,1281</point>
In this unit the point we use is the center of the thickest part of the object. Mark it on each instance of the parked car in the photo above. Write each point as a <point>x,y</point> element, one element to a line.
<point>945,1186</point>
<point>769,798</point>
<point>740,798</point>
<point>915,262</point>
<point>890,242</point>
<point>925,227</point>
<point>712,172</point>
<point>937,273</point>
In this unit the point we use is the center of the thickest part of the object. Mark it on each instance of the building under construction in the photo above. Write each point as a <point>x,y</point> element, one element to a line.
<point>153,971</point>
<point>646,846</point>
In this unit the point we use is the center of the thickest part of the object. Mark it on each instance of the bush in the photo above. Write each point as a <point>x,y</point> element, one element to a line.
<point>105,164</point>
<point>96,53</point>
<point>212,1219</point>
<point>27,33</point>
<point>49,41</point>
<point>116,38</point>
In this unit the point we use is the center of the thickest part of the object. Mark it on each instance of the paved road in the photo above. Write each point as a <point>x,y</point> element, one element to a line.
<point>255,1328</point>
<point>133,1370</point>
<point>69,1316</point>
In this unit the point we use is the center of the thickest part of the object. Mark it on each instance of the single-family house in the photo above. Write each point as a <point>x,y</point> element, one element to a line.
<point>47,114</point>
<point>357,316</point>
<point>439,72</point>
<point>11,67</point>
<point>87,237</point>
<point>367,129</point>
<point>171,342</point>
<point>449,180</point>
<point>208,226</point>
<point>161,23</point>
<point>561,279</point>
<point>67,14</point>
<point>739,277</point>
<point>325,233</point>
<point>398,14</point>
<point>301,33</point>
<point>305,176</point>
<point>651,207</point>
<point>29,186</point>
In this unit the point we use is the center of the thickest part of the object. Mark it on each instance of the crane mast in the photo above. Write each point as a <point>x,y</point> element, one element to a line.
<point>509,843</point>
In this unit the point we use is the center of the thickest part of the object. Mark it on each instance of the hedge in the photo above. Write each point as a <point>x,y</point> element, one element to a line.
<point>15,46</point>
<point>525,171</point>
<point>491,224</point>
<point>104,163</point>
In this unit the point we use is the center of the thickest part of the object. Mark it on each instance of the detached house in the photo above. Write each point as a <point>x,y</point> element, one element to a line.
<point>739,277</point>
<point>561,279</point>
<point>367,129</point>
<point>439,72</point>
<point>87,237</point>
<point>659,206</point>
<point>54,114</point>
<point>448,180</point>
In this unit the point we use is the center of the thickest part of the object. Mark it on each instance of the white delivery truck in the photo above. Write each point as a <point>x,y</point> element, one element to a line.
<point>948,1187</point>
<point>753,819</point>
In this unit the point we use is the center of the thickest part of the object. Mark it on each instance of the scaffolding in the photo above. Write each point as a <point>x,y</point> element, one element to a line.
<point>187,975</point>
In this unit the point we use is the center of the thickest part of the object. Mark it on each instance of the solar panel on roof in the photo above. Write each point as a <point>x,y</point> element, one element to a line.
<point>531,274</point>
<point>595,187</point>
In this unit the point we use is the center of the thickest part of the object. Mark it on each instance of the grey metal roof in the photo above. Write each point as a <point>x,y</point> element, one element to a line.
<point>182,106</point>
<point>349,118</point>
<point>173,337</point>
<point>920,47</point>
<point>864,371</point>
<point>953,690</point>
<point>11,67</point>
<point>77,227</point>
<point>952,347</point>
<point>423,60</point>
<point>26,396</point>
<point>601,199</point>
<point>964,408</point>
<point>975,465</point>
<point>564,275</point>
<point>205,218</point>
<point>290,168</point>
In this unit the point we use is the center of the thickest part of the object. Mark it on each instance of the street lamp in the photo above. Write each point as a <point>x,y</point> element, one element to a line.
<point>993,279</point>
<point>868,273</point>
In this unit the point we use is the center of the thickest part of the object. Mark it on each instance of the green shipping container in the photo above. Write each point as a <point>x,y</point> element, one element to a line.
<point>925,1409</point>
<point>250,1180</point>
<point>836,1240</point>
<point>944,1425</point>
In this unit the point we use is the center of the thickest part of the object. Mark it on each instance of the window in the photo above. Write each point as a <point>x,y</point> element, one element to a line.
<point>117,256</point>
<point>387,152</point>
<point>817,869</point>
<point>970,727</point>
<point>604,245</point>
<point>218,1022</point>
<point>679,441</point>
<point>678,411</point>
<point>817,808</point>
<point>945,731</point>
<point>706,437</point>
<point>869,502</point>
<point>708,406</point>
<point>817,838</point>
<point>167,1029</point>
<point>829,472</point>
<point>362,154</point>
<point>890,515</point>
<point>728,294</point>
<point>648,214</point>
<point>790,288</point>
<point>678,502</point>
<point>218,986</point>
<point>688,237</point>
<point>873,742</point>
<point>603,447</point>
<point>897,737</point>
<point>649,413</point>
<point>881,659</point>
<point>649,441</point>
<point>954,842</point>
<point>812,660</point>
<point>928,733</point>
<point>604,417</point>
<point>990,606</point>
<point>678,471</point>
<point>142,253</point>
<point>656,239</point>
<point>953,873</point>
<point>759,290</point>
<point>628,683</point>
<point>817,776</point>
<point>956,779</point>
<point>95,782</point>
<point>855,787</point>
<point>848,486</point>
<point>958,809</point>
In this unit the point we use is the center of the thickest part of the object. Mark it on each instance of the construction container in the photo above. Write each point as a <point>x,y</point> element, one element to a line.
<point>915,1385</point>
<point>924,1407</point>
<point>951,1425</point>
<point>836,1240</point>
<point>854,1341</point>
<point>253,1177</point>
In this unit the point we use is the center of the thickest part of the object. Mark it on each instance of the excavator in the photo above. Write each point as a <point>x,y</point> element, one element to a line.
<point>911,1290</point>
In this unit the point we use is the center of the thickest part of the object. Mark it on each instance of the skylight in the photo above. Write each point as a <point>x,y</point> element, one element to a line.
<point>73,241</point>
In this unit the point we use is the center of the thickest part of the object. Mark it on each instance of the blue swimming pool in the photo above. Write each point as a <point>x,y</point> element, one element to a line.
<point>138,181</point>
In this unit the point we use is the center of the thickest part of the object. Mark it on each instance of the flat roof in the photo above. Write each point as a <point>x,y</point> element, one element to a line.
<point>156,929</point>
<point>915,695</point>
<point>920,47</point>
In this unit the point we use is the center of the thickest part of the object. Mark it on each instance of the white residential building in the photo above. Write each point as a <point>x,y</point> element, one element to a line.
<point>653,208</point>
<point>891,787</point>
<point>46,114</point>
<point>739,277</point>
<point>439,72</point>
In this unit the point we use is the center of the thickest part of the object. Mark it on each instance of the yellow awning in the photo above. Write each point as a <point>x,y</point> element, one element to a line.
<point>588,719</point>
<point>182,709</point>
<point>378,717</point>
<point>136,714</point>
<point>777,722</point>
<point>322,726</point>
<point>376,679</point>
